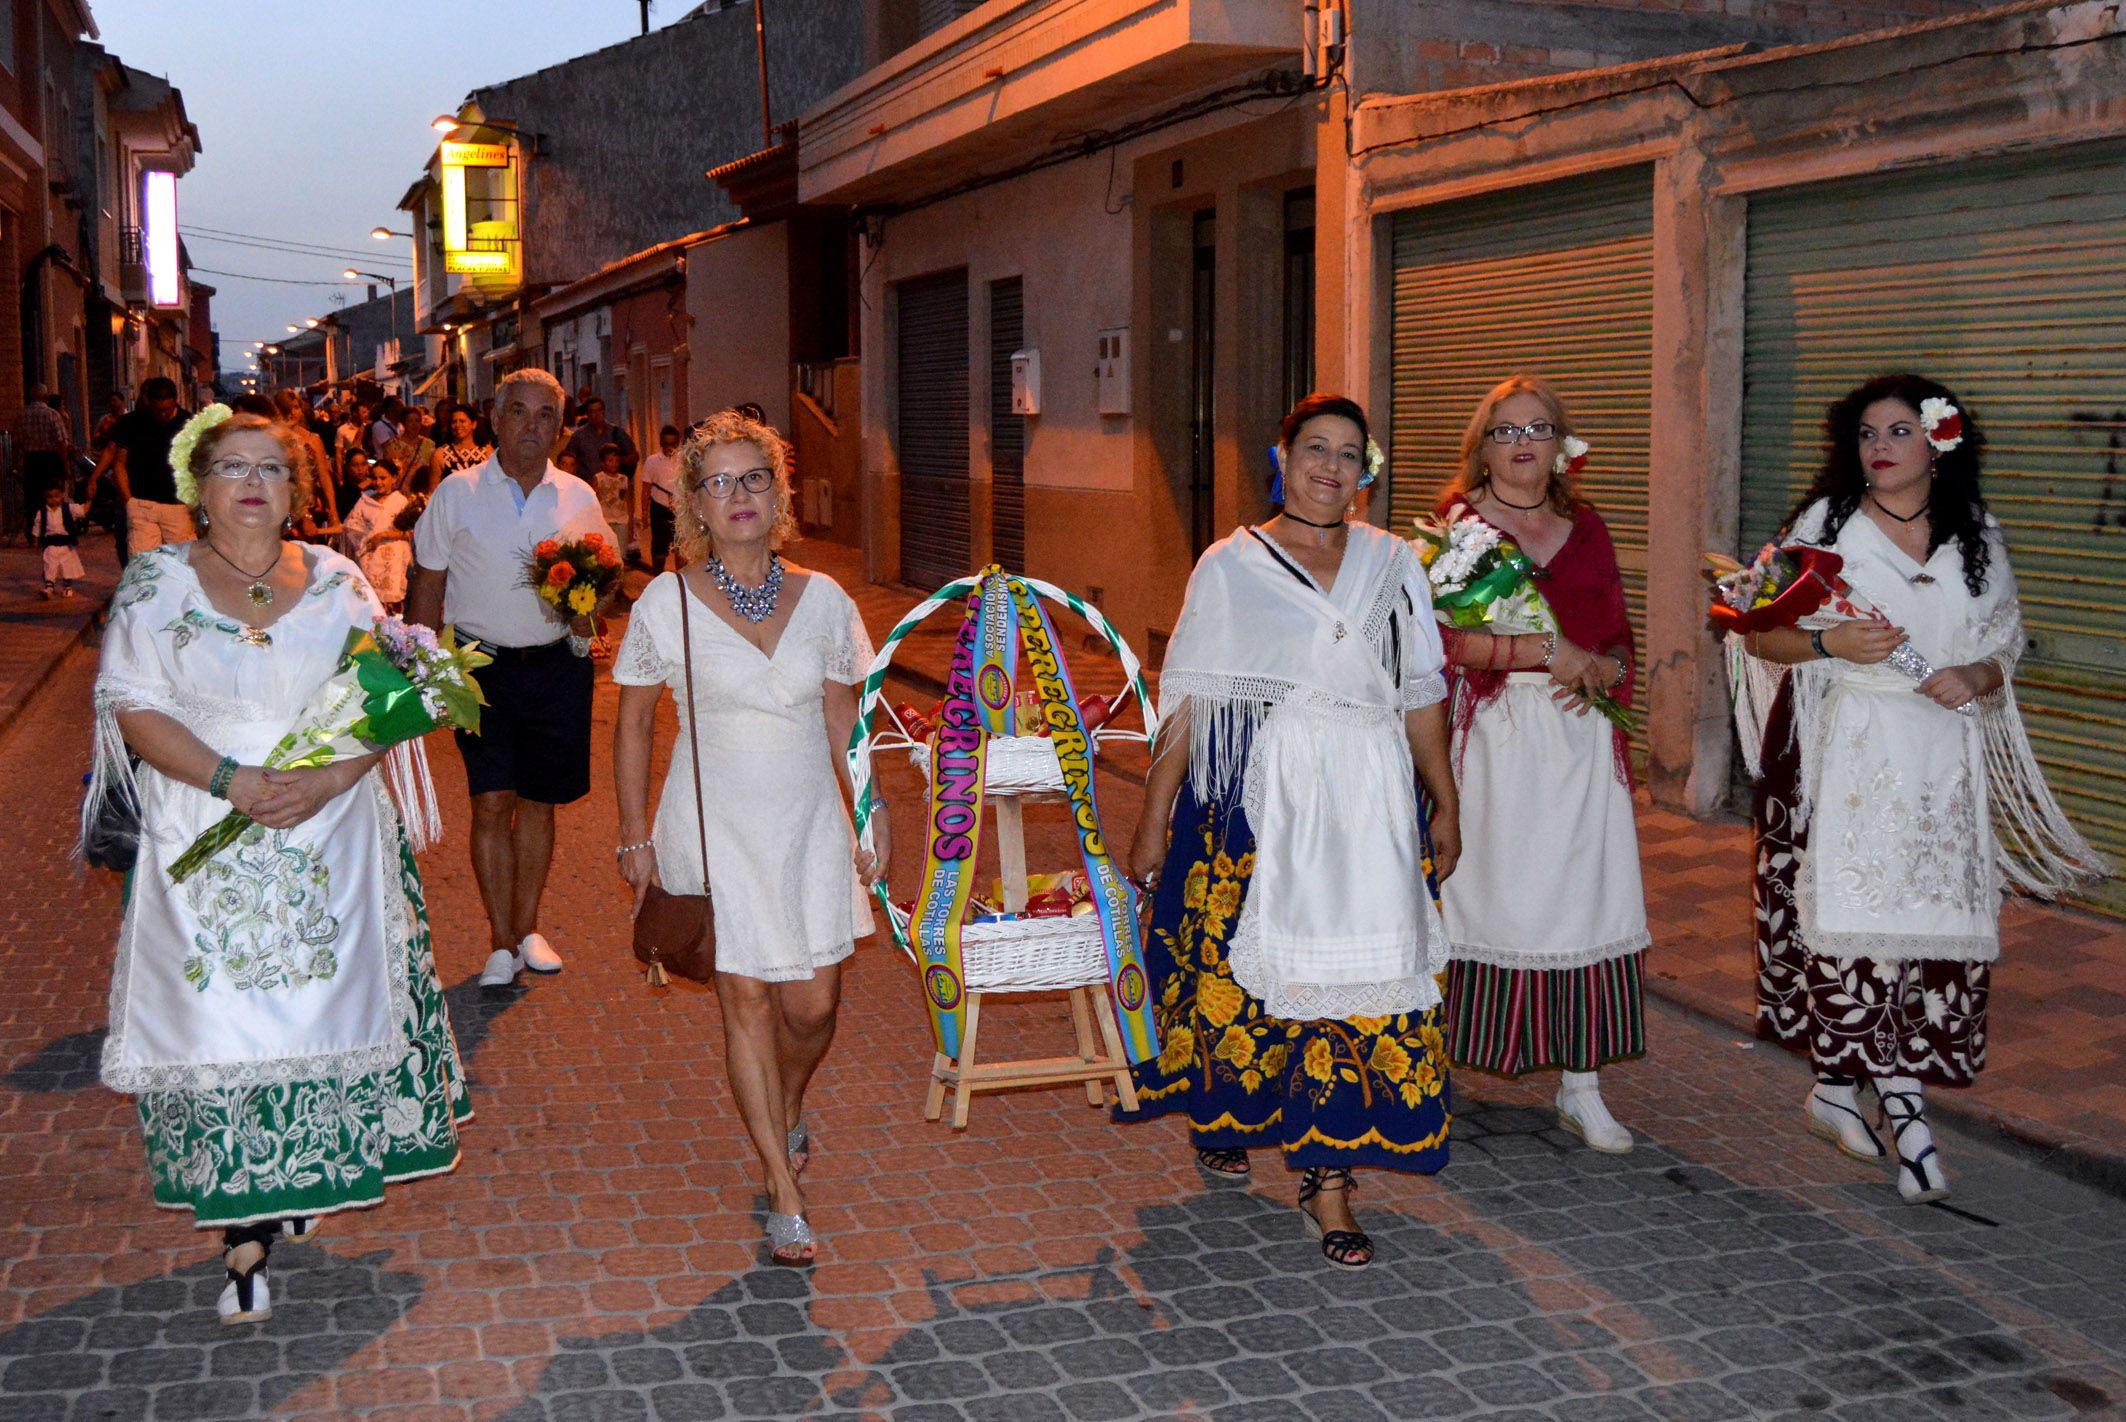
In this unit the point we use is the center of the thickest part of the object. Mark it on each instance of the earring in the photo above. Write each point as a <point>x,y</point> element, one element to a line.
<point>203,520</point>
<point>288,524</point>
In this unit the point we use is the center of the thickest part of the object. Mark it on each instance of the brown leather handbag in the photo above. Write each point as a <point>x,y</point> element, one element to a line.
<point>676,933</point>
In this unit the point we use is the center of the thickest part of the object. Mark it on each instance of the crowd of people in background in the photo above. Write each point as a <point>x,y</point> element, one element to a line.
<point>375,459</point>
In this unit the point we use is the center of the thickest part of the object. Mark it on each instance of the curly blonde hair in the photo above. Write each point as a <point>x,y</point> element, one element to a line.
<point>690,536</point>
<point>302,485</point>
<point>1564,488</point>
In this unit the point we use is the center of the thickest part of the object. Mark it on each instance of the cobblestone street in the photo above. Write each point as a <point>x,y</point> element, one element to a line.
<point>597,1253</point>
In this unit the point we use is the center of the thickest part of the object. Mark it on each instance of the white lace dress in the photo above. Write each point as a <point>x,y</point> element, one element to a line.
<point>277,1014</point>
<point>787,900</point>
<point>1902,859</point>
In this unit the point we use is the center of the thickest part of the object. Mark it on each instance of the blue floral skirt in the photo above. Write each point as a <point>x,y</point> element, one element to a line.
<point>1371,1091</point>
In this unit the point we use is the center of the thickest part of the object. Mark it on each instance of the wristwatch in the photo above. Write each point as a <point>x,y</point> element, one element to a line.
<point>578,644</point>
<point>1816,641</point>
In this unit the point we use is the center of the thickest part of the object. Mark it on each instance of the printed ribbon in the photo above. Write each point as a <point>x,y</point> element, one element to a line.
<point>1002,613</point>
<point>1114,900</point>
<point>958,766</point>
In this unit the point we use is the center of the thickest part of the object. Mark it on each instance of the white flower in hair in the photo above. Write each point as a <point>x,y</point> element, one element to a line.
<point>1572,453</point>
<point>1943,422</point>
<point>185,441</point>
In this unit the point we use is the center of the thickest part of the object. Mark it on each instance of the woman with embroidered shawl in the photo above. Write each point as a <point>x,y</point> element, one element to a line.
<point>1879,873</point>
<point>277,1014</point>
<point>1294,938</point>
<point>1547,916</point>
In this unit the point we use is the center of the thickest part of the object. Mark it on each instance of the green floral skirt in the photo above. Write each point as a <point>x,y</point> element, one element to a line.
<point>1371,1091</point>
<point>245,1154</point>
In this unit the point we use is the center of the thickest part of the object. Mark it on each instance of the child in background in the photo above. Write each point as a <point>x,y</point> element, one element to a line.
<point>388,558</point>
<point>616,493</point>
<point>374,511</point>
<point>56,529</point>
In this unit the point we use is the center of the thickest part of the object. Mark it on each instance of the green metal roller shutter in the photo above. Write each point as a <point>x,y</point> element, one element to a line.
<point>1556,281</point>
<point>2006,281</point>
<point>932,429</point>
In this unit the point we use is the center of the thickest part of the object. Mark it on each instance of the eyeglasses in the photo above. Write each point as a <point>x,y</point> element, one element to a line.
<point>273,472</point>
<point>719,486</point>
<point>1511,434</point>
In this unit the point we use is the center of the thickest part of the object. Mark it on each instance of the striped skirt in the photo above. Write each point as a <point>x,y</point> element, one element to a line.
<point>1517,1020</point>
<point>1546,911</point>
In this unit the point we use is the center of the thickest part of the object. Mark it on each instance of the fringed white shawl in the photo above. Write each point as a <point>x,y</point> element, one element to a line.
<point>1297,696</point>
<point>2033,845</point>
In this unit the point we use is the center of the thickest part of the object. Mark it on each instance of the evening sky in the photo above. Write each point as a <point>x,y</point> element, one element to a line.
<point>313,118</point>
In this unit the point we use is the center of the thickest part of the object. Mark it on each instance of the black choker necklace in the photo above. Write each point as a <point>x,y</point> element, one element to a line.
<point>1310,522</point>
<point>1524,508</point>
<point>1902,518</point>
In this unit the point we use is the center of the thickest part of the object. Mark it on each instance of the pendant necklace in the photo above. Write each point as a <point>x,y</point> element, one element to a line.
<point>755,605</point>
<point>259,593</point>
<point>1310,522</point>
<point>1524,508</point>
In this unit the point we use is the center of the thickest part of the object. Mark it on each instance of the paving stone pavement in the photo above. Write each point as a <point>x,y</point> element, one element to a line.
<point>597,1253</point>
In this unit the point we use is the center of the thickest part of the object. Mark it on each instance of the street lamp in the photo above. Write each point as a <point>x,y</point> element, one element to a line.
<point>385,234</point>
<point>352,275</point>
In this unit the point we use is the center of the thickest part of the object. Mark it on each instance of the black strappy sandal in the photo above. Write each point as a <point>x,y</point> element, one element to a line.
<point>246,1297</point>
<point>298,1229</point>
<point>1928,1182</point>
<point>1344,1248</point>
<point>1231,1163</point>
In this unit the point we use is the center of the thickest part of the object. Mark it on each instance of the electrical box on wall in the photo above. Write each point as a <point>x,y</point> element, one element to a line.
<point>1026,382</point>
<point>1111,372</point>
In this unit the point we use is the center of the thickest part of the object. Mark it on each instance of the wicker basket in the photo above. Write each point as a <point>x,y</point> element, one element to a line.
<point>1017,765</point>
<point>1029,954</point>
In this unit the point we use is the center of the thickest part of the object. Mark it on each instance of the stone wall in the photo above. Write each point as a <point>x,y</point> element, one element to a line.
<point>626,133</point>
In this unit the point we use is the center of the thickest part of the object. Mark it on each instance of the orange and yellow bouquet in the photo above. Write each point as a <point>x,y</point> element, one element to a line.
<point>573,577</point>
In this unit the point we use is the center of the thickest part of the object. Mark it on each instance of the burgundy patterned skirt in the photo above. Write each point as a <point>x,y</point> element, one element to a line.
<point>1861,1017</point>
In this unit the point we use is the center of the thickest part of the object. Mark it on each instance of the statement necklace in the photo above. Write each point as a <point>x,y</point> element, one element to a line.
<point>755,605</point>
<point>259,593</point>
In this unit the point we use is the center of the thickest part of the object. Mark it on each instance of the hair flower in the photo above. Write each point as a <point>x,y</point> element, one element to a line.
<point>1571,457</point>
<point>181,447</point>
<point>1943,422</point>
<point>1375,461</point>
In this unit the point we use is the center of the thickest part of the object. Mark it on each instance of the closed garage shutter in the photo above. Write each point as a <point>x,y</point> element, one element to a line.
<point>2005,281</point>
<point>1555,281</point>
<point>932,430</point>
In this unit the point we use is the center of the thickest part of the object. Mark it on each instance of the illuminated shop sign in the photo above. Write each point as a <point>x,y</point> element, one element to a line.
<point>479,209</point>
<point>158,238</point>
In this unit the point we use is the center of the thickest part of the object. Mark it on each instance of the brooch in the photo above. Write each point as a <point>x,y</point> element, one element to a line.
<point>1339,633</point>
<point>254,637</point>
<point>1921,579</point>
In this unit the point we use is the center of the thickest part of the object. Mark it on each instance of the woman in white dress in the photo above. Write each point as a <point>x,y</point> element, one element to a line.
<point>1879,873</point>
<point>1547,916</point>
<point>277,1014</point>
<point>777,653</point>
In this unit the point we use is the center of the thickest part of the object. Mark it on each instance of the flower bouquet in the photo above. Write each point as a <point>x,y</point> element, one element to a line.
<point>1799,586</point>
<point>573,577</point>
<point>396,681</point>
<point>1481,580</point>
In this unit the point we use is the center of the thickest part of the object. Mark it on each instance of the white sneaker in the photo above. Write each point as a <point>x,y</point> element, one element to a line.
<point>1581,1111</point>
<point>538,954</point>
<point>501,969</point>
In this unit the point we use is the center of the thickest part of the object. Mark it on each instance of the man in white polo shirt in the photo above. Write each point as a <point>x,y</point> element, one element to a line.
<point>471,551</point>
